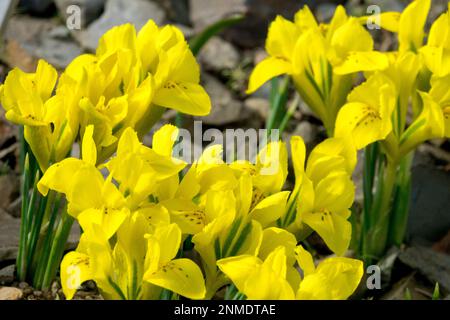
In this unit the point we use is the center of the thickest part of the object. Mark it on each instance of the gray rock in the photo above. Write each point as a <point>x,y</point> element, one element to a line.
<point>10,233</point>
<point>9,238</point>
<point>9,189</point>
<point>325,12</point>
<point>36,6</point>
<point>206,12</point>
<point>30,39</point>
<point>218,55</point>
<point>305,110</point>
<point>260,106</point>
<point>9,293</point>
<point>90,9</point>
<point>7,275</point>
<point>433,265</point>
<point>225,109</point>
<point>58,48</point>
<point>429,218</point>
<point>118,12</point>
<point>308,132</point>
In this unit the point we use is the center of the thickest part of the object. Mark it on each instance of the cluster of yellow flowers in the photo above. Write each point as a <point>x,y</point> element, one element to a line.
<point>127,83</point>
<point>140,219</point>
<point>135,220</point>
<point>323,61</point>
<point>403,101</point>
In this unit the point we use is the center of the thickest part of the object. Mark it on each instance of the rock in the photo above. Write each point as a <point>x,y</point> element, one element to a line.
<point>9,189</point>
<point>9,293</point>
<point>9,237</point>
<point>308,132</point>
<point>443,245</point>
<point>90,9</point>
<point>30,39</point>
<point>188,32</point>
<point>305,110</point>
<point>58,48</point>
<point>432,265</point>
<point>259,13</point>
<point>325,12</point>
<point>23,34</point>
<point>118,12</point>
<point>428,220</point>
<point>218,55</point>
<point>7,275</point>
<point>407,284</point>
<point>40,7</point>
<point>225,109</point>
<point>206,12</point>
<point>177,10</point>
<point>260,106</point>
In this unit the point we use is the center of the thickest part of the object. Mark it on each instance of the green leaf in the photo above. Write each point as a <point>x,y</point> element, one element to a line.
<point>198,41</point>
<point>436,294</point>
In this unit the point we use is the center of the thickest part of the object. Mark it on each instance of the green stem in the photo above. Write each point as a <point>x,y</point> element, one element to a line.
<point>41,255</point>
<point>22,253</point>
<point>376,241</point>
<point>401,204</point>
<point>57,249</point>
<point>279,99</point>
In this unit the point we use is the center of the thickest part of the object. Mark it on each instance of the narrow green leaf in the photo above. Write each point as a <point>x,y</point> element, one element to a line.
<point>436,293</point>
<point>198,41</point>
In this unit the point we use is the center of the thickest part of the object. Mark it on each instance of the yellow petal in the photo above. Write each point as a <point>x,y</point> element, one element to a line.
<point>239,268</point>
<point>88,148</point>
<point>186,97</point>
<point>362,61</point>
<point>181,276</point>
<point>164,139</point>
<point>266,70</point>
<point>270,208</point>
<point>75,269</point>
<point>412,22</point>
<point>305,261</point>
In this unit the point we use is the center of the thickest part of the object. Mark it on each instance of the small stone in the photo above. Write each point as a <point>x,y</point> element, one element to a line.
<point>307,131</point>
<point>40,7</point>
<point>305,110</point>
<point>9,293</point>
<point>225,108</point>
<point>218,55</point>
<point>30,39</point>
<point>257,105</point>
<point>118,12</point>
<point>9,189</point>
<point>325,12</point>
<point>9,238</point>
<point>38,293</point>
<point>206,12</point>
<point>27,291</point>
<point>7,275</point>
<point>433,265</point>
<point>23,285</point>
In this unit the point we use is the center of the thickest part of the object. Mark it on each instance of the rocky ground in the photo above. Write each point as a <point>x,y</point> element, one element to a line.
<point>38,30</point>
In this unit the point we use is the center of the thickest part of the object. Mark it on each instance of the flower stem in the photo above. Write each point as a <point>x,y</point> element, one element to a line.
<point>57,248</point>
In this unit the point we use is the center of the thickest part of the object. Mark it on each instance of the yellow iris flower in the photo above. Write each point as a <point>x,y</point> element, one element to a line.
<point>332,279</point>
<point>137,266</point>
<point>324,191</point>
<point>50,126</point>
<point>321,59</point>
